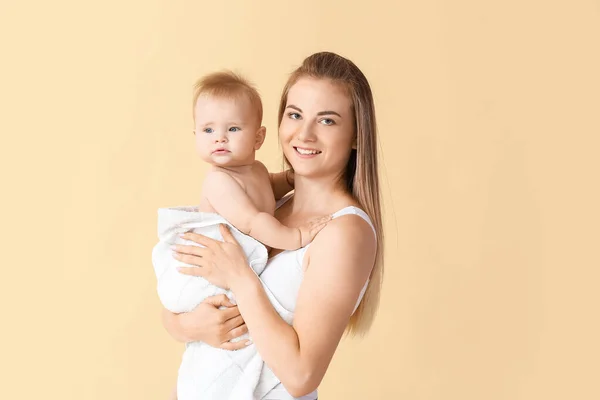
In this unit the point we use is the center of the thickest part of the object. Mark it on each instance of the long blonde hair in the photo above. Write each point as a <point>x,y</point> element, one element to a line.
<point>361,175</point>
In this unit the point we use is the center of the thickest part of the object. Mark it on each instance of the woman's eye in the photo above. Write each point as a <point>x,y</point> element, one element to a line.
<point>294,115</point>
<point>208,130</point>
<point>234,129</point>
<point>327,121</point>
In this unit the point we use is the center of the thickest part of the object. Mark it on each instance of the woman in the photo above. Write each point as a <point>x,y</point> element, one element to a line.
<point>327,131</point>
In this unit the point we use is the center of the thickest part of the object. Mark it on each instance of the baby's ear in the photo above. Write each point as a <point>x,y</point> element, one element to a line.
<point>260,137</point>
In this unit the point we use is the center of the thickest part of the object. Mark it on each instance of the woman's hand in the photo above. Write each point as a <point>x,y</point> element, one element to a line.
<point>221,263</point>
<point>208,323</point>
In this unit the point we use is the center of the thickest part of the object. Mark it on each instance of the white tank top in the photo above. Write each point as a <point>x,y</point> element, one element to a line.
<point>283,276</point>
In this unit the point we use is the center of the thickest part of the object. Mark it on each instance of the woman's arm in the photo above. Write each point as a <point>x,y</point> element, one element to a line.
<point>339,263</point>
<point>208,323</point>
<point>282,183</point>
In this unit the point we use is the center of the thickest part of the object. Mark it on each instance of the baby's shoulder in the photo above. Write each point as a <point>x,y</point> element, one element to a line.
<point>259,167</point>
<point>260,173</point>
<point>220,176</point>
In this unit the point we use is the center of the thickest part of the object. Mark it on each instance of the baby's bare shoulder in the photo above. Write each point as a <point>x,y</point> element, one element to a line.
<point>260,167</point>
<point>220,176</point>
<point>261,172</point>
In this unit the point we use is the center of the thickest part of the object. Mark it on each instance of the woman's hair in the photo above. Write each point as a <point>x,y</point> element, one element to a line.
<point>227,85</point>
<point>361,175</point>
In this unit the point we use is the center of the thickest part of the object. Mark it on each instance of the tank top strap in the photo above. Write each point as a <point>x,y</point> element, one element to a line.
<point>282,200</point>
<point>344,211</point>
<point>352,210</point>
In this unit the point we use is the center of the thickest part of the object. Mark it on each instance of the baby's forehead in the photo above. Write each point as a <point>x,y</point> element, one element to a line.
<point>238,102</point>
<point>211,105</point>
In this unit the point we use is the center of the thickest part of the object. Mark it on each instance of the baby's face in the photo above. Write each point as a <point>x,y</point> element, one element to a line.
<point>226,131</point>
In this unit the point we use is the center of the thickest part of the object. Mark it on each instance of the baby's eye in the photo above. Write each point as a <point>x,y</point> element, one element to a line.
<point>208,130</point>
<point>234,129</point>
<point>294,115</point>
<point>327,121</point>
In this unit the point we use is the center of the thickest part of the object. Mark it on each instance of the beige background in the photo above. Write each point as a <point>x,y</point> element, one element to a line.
<point>489,125</point>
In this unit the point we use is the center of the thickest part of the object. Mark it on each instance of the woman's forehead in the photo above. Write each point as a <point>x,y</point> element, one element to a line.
<point>317,94</point>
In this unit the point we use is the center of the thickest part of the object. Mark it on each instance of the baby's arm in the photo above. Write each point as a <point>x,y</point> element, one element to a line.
<point>281,183</point>
<point>229,199</point>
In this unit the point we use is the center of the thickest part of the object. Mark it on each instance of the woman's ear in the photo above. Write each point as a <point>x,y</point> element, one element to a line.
<point>260,137</point>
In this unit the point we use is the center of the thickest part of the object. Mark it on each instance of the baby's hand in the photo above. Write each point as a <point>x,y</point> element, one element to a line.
<point>309,230</point>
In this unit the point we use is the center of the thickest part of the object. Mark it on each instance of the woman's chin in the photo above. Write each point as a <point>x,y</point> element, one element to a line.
<point>305,171</point>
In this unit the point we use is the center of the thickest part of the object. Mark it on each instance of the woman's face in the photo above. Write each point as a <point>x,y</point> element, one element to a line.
<point>317,128</point>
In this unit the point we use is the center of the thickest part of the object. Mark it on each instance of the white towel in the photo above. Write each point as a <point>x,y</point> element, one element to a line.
<point>207,372</point>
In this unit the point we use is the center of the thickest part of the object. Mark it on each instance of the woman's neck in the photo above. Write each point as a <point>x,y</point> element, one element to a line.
<point>317,195</point>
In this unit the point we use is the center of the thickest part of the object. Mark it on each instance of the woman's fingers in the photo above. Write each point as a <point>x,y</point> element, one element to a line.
<point>192,271</point>
<point>200,239</point>
<point>220,300</point>
<point>226,233</point>
<point>237,332</point>
<point>228,313</point>
<point>233,323</point>
<point>192,250</point>
<point>192,260</point>
<point>234,345</point>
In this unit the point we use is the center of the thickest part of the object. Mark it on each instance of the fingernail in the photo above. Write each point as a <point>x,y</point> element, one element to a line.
<point>173,247</point>
<point>233,302</point>
<point>248,343</point>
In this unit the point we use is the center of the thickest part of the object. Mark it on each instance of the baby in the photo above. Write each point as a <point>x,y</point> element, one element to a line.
<point>237,191</point>
<point>228,115</point>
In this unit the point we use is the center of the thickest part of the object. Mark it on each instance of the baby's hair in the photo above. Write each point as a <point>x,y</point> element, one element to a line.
<point>229,85</point>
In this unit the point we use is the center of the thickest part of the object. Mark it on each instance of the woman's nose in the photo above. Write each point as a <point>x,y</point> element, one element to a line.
<point>306,133</point>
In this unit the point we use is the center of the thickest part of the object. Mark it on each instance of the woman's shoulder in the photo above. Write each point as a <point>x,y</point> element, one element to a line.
<point>357,211</point>
<point>346,245</point>
<point>350,223</point>
<point>349,228</point>
<point>349,210</point>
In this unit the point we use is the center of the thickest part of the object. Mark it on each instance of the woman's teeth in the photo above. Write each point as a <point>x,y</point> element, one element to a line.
<point>306,152</point>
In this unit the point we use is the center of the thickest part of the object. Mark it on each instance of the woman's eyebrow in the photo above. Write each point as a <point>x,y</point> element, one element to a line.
<point>320,113</point>
<point>328,113</point>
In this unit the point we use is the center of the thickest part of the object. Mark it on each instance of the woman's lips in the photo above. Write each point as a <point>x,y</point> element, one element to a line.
<point>303,152</point>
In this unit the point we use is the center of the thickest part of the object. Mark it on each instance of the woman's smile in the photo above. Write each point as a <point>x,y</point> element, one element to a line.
<point>304,152</point>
